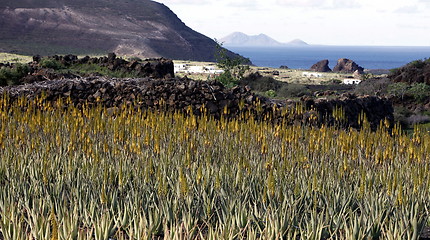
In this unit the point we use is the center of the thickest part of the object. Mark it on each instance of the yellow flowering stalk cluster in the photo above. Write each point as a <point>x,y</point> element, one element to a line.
<point>69,173</point>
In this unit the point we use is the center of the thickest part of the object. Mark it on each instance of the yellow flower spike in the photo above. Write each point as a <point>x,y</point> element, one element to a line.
<point>45,173</point>
<point>345,164</point>
<point>315,183</point>
<point>362,183</point>
<point>54,225</point>
<point>271,183</point>
<point>400,195</point>
<point>183,183</point>
<point>103,198</point>
<point>225,110</point>
<point>264,148</point>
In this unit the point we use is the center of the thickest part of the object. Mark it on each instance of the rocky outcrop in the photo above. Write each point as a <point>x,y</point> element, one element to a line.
<point>182,94</point>
<point>321,66</point>
<point>345,65</point>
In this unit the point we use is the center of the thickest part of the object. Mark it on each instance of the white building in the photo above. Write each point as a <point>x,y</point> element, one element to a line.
<point>212,70</point>
<point>180,67</point>
<point>204,69</point>
<point>312,74</point>
<point>350,81</point>
<point>195,69</point>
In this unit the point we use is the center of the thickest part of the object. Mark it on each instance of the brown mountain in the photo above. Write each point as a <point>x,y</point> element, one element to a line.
<point>130,27</point>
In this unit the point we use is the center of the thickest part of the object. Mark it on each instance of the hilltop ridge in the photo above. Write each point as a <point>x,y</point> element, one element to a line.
<point>142,28</point>
<point>261,40</point>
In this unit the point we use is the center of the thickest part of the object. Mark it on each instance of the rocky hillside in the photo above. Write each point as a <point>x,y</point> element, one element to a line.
<point>144,28</point>
<point>414,72</point>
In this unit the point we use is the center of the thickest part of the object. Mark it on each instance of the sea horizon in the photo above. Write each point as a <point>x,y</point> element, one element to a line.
<point>303,57</point>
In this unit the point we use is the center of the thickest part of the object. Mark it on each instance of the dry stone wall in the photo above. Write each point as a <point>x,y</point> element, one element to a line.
<point>182,94</point>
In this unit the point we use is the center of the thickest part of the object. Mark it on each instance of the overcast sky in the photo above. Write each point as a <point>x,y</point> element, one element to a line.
<point>328,22</point>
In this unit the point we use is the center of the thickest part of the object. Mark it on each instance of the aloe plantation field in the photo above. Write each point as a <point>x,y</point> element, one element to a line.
<point>126,173</point>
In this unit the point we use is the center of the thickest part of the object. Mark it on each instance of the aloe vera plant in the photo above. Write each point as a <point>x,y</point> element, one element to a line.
<point>80,173</point>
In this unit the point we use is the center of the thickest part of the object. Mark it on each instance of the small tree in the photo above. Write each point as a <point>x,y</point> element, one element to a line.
<point>13,75</point>
<point>234,67</point>
<point>420,91</point>
<point>398,89</point>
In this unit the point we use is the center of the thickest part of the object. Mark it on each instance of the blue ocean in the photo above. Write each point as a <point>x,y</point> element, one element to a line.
<point>304,57</point>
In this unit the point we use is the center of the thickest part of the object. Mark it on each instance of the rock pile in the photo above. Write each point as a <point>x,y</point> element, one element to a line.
<point>321,66</point>
<point>182,94</point>
<point>374,108</point>
<point>147,93</point>
<point>345,65</point>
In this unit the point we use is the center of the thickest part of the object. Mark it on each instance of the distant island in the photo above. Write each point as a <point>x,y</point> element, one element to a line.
<point>241,39</point>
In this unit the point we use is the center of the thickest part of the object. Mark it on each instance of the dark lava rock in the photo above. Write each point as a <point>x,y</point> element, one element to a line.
<point>345,65</point>
<point>37,58</point>
<point>321,66</point>
<point>376,109</point>
<point>425,234</point>
<point>182,94</point>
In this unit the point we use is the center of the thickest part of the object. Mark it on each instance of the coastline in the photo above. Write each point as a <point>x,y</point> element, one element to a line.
<point>303,57</point>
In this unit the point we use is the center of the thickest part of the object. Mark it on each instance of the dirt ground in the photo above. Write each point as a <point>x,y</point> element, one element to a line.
<point>284,75</point>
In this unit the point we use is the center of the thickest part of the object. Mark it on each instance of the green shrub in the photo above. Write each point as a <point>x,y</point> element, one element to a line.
<point>294,90</point>
<point>419,63</point>
<point>260,83</point>
<point>271,93</point>
<point>234,68</point>
<point>336,81</point>
<point>398,89</point>
<point>376,86</point>
<point>13,76</point>
<point>83,69</point>
<point>50,63</point>
<point>227,79</point>
<point>420,91</point>
<point>4,76</point>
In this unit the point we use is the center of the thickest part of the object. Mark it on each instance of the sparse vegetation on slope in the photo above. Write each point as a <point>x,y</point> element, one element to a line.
<point>414,72</point>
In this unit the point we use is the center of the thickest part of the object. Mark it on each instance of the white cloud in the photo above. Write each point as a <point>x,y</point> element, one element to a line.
<point>346,4</point>
<point>302,3</point>
<point>323,4</point>
<point>183,1</point>
<point>244,5</point>
<point>333,22</point>
<point>407,9</point>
